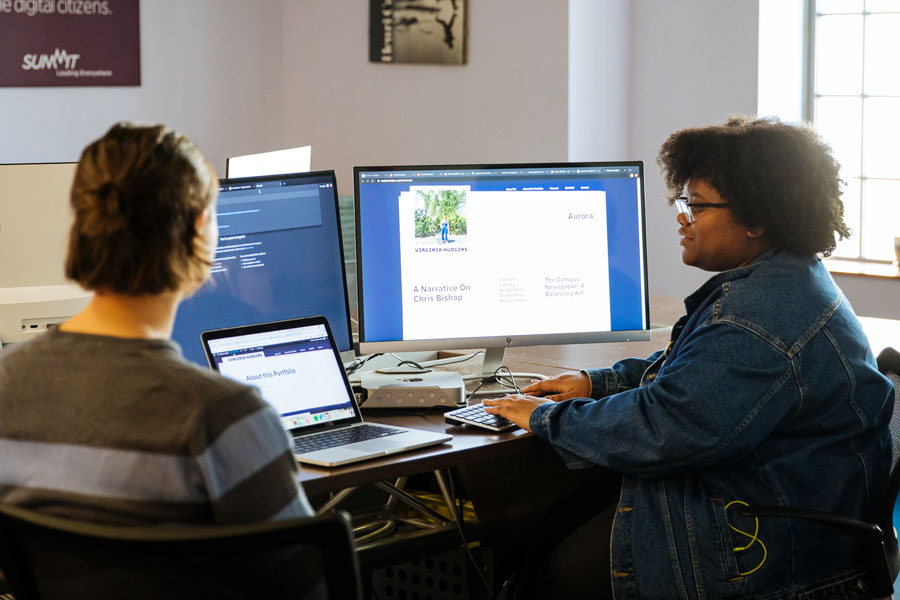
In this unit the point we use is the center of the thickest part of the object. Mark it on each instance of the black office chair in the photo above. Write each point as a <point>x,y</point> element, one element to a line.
<point>879,539</point>
<point>47,557</point>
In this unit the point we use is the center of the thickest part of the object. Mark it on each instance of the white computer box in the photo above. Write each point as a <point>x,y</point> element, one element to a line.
<point>387,388</point>
<point>29,311</point>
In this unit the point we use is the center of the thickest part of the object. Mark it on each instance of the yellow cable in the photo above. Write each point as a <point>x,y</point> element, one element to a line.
<point>753,539</point>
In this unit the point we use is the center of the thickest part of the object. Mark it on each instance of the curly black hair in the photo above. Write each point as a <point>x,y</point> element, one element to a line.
<point>777,176</point>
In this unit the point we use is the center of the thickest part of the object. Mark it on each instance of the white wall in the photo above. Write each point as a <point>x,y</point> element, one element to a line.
<point>241,77</point>
<point>507,104</point>
<point>631,73</point>
<point>693,63</point>
<point>210,68</point>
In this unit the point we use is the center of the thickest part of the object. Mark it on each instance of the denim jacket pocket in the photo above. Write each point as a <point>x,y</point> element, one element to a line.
<point>727,540</point>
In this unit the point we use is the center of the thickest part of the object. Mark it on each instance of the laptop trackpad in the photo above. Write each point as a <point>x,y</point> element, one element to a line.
<point>339,455</point>
<point>377,445</point>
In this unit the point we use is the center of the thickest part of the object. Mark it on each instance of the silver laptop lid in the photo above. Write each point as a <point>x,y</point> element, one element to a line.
<point>296,367</point>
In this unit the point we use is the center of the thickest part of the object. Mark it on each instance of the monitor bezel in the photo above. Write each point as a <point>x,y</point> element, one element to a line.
<point>498,342</point>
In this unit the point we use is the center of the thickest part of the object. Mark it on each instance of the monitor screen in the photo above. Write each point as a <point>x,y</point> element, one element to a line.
<point>35,217</point>
<point>280,358</point>
<point>492,256</point>
<point>279,257</point>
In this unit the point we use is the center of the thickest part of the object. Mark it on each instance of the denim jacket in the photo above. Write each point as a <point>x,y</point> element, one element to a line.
<point>767,395</point>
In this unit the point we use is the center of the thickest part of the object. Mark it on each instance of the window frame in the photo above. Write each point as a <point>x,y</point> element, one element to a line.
<point>810,97</point>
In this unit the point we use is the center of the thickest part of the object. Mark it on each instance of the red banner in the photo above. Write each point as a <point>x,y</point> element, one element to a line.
<point>69,42</point>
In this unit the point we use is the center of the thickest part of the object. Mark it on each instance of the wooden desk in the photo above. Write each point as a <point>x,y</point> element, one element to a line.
<point>470,445</point>
<point>467,445</point>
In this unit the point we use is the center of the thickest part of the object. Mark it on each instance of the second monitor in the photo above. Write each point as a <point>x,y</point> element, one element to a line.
<point>279,257</point>
<point>493,256</point>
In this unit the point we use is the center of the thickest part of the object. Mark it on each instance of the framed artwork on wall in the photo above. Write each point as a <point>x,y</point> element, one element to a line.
<point>418,31</point>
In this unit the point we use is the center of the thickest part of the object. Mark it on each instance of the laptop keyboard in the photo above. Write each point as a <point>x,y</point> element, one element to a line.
<point>477,416</point>
<point>341,437</point>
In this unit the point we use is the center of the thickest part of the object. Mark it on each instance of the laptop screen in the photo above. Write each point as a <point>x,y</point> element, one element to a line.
<point>295,368</point>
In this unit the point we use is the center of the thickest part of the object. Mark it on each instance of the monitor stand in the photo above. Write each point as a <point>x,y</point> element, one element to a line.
<point>493,360</point>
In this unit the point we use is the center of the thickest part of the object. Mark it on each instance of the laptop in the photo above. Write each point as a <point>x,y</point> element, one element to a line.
<point>296,366</point>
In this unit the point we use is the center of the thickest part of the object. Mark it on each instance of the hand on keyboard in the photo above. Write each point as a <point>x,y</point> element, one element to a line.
<point>518,408</point>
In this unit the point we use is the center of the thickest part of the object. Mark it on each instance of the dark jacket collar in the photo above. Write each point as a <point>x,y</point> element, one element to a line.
<point>698,297</point>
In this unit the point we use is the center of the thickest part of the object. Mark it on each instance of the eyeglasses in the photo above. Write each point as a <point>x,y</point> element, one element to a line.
<point>686,208</point>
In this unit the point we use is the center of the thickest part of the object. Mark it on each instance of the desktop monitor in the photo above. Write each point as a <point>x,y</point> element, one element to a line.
<point>493,256</point>
<point>35,217</point>
<point>276,162</point>
<point>279,257</point>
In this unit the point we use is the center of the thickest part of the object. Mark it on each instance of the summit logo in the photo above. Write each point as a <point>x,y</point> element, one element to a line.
<point>60,59</point>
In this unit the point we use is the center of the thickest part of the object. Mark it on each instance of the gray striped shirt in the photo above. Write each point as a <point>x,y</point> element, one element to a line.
<point>125,431</point>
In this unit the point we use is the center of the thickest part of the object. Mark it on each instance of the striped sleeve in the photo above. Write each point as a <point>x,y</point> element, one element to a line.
<point>250,472</point>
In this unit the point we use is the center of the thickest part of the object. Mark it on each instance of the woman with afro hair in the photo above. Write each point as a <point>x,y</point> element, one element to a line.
<point>766,395</point>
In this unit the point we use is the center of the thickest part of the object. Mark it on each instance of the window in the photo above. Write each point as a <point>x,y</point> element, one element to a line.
<point>854,103</point>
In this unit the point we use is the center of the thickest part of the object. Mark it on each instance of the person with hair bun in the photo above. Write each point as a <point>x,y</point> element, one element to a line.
<point>766,395</point>
<point>102,419</point>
